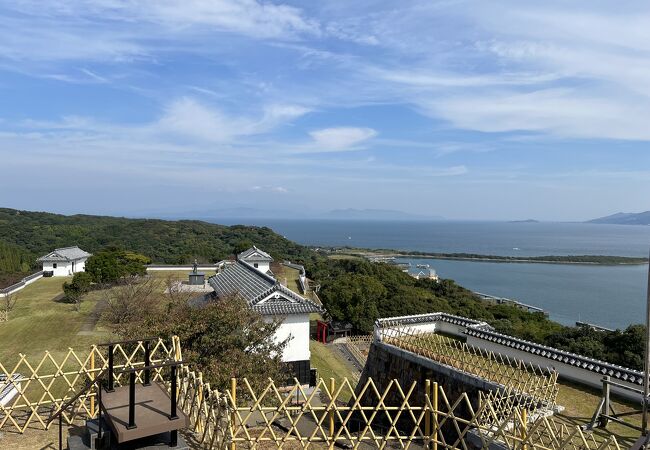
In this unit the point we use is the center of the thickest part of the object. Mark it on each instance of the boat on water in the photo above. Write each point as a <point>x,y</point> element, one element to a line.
<point>422,266</point>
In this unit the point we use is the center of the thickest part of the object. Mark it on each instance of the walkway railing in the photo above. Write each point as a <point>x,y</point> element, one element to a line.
<point>293,416</point>
<point>47,383</point>
<point>539,385</point>
<point>405,416</point>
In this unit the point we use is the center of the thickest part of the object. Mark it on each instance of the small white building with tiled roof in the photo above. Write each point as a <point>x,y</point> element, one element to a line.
<point>257,258</point>
<point>65,261</point>
<point>264,294</point>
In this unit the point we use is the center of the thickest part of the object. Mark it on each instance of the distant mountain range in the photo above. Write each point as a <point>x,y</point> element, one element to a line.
<point>249,213</point>
<point>642,218</point>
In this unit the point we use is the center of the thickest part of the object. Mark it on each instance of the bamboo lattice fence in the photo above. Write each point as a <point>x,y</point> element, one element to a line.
<point>516,376</point>
<point>44,384</point>
<point>294,416</point>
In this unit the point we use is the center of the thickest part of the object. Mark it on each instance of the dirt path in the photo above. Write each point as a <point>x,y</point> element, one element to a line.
<point>89,325</point>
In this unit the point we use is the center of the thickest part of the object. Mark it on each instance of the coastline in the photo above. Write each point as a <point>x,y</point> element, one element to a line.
<point>592,260</point>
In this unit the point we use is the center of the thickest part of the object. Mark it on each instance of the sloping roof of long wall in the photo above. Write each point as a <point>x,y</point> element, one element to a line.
<point>483,331</point>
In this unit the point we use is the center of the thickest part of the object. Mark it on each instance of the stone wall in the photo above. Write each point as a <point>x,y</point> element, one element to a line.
<point>386,362</point>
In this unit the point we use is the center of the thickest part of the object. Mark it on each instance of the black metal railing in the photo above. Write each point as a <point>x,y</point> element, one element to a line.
<point>173,388</point>
<point>108,375</point>
<point>87,387</point>
<point>111,358</point>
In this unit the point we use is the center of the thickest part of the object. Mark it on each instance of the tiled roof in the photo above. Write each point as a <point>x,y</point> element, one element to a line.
<point>553,354</point>
<point>254,286</point>
<point>65,254</point>
<point>254,254</point>
<point>242,278</point>
<point>282,306</point>
<point>432,317</point>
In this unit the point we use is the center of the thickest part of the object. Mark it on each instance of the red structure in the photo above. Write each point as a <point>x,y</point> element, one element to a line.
<point>321,331</point>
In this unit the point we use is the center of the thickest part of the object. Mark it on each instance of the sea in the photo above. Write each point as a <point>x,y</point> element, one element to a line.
<point>609,296</point>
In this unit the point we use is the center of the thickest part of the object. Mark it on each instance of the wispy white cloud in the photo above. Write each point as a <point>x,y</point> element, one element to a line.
<point>562,112</point>
<point>340,138</point>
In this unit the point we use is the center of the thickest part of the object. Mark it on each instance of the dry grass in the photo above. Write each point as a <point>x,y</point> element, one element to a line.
<point>581,402</point>
<point>40,322</point>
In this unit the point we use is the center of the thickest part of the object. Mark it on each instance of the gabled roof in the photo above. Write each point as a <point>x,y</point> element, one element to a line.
<point>254,254</point>
<point>261,291</point>
<point>65,254</point>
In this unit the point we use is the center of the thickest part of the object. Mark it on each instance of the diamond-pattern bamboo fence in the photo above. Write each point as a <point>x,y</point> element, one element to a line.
<point>45,383</point>
<point>519,378</point>
<point>359,346</point>
<point>299,417</point>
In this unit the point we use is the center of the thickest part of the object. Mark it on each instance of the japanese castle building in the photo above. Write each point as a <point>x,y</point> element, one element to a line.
<point>250,277</point>
<point>64,261</point>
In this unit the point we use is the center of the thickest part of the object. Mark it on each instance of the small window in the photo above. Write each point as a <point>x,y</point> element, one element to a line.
<point>54,266</point>
<point>256,265</point>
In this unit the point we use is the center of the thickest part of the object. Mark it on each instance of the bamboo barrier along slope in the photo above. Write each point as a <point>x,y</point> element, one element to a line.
<point>289,416</point>
<point>43,384</point>
<point>518,377</point>
<point>298,417</point>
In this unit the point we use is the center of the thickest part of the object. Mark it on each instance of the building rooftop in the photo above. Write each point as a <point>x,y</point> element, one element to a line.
<point>65,254</point>
<point>261,291</point>
<point>255,254</point>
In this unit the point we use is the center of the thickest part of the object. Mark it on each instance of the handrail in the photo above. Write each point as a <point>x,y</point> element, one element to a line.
<point>168,363</point>
<point>131,341</point>
<point>89,384</point>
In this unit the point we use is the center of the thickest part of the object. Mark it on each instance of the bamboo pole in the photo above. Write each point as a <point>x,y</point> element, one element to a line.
<point>524,425</point>
<point>435,415</point>
<point>92,377</point>
<point>199,423</point>
<point>233,418</point>
<point>427,414</point>
<point>331,412</point>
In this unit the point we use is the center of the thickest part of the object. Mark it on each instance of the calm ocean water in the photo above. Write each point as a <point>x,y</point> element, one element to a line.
<point>612,296</point>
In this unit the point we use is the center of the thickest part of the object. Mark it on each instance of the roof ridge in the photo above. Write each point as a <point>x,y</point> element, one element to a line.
<point>257,272</point>
<point>65,248</point>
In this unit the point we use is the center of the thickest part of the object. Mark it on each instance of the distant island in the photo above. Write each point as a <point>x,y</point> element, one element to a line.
<point>621,218</point>
<point>524,221</point>
<point>383,253</point>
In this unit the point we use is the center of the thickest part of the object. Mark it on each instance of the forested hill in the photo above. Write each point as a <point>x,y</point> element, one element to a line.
<point>352,290</point>
<point>171,242</point>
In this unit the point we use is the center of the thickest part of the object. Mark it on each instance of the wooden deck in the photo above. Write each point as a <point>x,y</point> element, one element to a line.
<point>152,410</point>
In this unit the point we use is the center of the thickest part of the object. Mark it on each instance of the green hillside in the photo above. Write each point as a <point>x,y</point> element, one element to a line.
<point>172,242</point>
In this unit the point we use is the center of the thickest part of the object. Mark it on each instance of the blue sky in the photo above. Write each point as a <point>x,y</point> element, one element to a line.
<point>465,109</point>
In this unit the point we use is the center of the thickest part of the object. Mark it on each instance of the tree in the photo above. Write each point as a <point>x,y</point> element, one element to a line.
<point>111,265</point>
<point>75,290</point>
<point>354,298</point>
<point>223,339</point>
<point>8,303</point>
<point>242,246</point>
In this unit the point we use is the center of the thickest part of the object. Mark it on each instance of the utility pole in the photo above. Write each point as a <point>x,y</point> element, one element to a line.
<point>646,364</point>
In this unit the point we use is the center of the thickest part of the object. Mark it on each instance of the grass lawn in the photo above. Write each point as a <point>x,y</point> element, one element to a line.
<point>288,276</point>
<point>38,323</point>
<point>177,274</point>
<point>330,365</point>
<point>580,403</point>
<point>344,256</point>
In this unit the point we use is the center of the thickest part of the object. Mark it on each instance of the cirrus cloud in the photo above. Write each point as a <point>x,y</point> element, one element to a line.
<point>341,138</point>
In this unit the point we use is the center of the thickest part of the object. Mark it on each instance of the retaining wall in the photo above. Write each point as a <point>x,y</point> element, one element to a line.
<point>21,284</point>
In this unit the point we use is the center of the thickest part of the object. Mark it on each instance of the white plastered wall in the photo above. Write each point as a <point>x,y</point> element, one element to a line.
<point>295,326</point>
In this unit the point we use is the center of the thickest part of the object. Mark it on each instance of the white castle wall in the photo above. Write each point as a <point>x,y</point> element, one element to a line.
<point>579,369</point>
